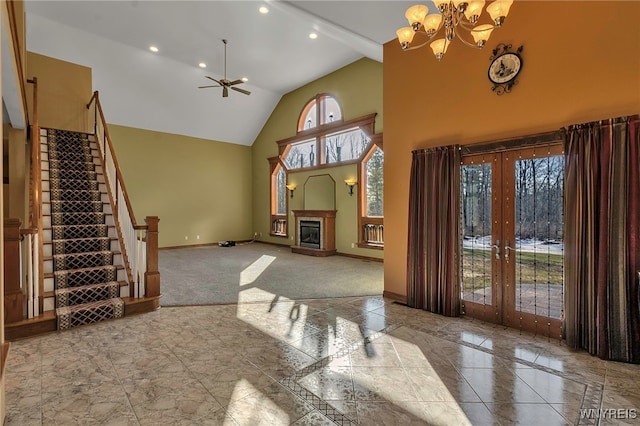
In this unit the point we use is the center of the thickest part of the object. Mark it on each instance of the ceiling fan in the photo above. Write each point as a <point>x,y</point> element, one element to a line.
<point>224,83</point>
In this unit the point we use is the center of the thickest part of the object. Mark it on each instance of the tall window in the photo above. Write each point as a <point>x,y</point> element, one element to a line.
<point>278,198</point>
<point>372,197</point>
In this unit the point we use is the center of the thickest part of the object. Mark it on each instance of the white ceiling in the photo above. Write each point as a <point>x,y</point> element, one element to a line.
<point>158,91</point>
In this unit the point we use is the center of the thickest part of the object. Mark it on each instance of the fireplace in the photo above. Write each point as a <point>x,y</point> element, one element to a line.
<point>315,232</point>
<point>310,233</point>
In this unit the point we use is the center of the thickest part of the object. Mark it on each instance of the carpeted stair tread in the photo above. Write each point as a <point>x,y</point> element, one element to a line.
<point>73,296</point>
<point>77,184</point>
<point>77,315</point>
<point>63,232</point>
<point>75,194</point>
<point>94,268</point>
<point>78,218</point>
<point>77,206</point>
<point>72,174</point>
<point>82,260</point>
<point>80,245</point>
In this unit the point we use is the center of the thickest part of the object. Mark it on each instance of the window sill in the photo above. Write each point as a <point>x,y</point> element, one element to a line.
<point>274,234</point>
<point>374,246</point>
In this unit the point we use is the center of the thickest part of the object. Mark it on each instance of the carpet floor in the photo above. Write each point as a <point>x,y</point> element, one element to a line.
<point>257,272</point>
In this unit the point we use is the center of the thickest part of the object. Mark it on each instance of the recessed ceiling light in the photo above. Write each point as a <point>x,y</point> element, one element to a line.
<point>313,36</point>
<point>245,79</point>
<point>263,10</point>
<point>202,65</point>
<point>153,49</point>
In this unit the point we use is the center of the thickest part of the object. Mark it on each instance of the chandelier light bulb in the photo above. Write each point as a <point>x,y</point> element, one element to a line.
<point>498,10</point>
<point>415,15</point>
<point>474,10</point>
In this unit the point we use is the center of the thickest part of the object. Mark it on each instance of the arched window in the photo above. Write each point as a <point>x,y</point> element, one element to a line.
<point>329,111</point>
<point>324,138</point>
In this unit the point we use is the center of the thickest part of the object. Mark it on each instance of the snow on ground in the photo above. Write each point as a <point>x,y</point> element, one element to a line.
<point>523,245</point>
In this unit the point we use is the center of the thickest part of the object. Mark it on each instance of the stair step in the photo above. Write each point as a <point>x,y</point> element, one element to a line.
<point>80,157</point>
<point>71,174</point>
<point>81,260</point>
<point>84,276</point>
<point>75,165</point>
<point>79,218</point>
<point>77,184</point>
<point>75,195</point>
<point>88,293</point>
<point>62,232</point>
<point>80,245</point>
<point>75,316</point>
<point>58,206</point>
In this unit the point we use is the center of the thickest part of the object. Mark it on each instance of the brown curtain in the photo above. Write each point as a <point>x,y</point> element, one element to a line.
<point>602,241</point>
<point>434,231</point>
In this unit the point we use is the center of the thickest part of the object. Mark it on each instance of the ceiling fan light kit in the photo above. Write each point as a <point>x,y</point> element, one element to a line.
<point>225,83</point>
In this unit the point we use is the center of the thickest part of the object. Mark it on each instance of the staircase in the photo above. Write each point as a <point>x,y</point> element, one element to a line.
<point>84,270</point>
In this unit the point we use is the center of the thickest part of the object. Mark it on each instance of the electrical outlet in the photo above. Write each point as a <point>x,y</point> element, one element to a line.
<point>186,238</point>
<point>197,237</point>
<point>353,245</point>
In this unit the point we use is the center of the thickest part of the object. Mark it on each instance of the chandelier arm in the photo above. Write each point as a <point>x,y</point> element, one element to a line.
<point>465,41</point>
<point>424,43</point>
<point>469,26</point>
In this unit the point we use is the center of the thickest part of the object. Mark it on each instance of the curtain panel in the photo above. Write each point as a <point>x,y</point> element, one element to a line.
<point>434,231</point>
<point>602,238</point>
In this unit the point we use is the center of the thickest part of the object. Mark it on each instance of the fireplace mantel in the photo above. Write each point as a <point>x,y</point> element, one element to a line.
<point>327,219</point>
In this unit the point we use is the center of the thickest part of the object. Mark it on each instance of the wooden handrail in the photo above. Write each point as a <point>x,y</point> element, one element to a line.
<point>119,180</point>
<point>35,205</point>
<point>18,50</point>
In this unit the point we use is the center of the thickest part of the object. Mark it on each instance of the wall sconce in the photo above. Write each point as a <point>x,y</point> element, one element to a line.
<point>291,187</point>
<point>350,183</point>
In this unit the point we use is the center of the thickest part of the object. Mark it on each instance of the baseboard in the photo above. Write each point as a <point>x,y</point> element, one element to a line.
<point>202,245</point>
<point>401,298</point>
<point>274,244</point>
<point>357,256</point>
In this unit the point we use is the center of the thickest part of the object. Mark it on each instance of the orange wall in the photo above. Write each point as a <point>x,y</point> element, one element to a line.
<point>570,75</point>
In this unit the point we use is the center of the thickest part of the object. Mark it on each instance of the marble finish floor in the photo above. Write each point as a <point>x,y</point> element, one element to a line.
<point>359,360</point>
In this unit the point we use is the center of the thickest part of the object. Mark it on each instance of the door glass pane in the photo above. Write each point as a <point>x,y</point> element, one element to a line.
<point>539,248</point>
<point>475,184</point>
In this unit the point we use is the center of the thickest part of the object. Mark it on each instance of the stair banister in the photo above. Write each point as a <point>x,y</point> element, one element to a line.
<point>139,241</point>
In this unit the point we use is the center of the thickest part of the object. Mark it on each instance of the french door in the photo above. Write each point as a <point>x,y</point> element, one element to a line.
<point>512,238</point>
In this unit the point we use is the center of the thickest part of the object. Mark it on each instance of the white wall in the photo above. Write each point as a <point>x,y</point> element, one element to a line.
<point>145,90</point>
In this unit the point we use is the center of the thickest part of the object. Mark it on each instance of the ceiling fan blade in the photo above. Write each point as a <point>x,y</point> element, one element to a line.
<point>233,83</point>
<point>211,78</point>
<point>246,92</point>
<point>205,87</point>
<point>225,91</point>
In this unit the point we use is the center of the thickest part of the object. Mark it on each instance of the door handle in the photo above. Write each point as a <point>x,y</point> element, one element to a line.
<point>497,247</point>
<point>507,251</point>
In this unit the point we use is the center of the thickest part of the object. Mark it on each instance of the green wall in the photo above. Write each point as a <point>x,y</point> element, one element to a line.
<point>358,89</point>
<point>197,187</point>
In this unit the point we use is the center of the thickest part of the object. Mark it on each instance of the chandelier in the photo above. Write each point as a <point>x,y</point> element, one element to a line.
<point>454,16</point>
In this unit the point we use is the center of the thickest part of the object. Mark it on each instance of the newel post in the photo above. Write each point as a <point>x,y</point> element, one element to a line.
<point>13,297</point>
<point>152,276</point>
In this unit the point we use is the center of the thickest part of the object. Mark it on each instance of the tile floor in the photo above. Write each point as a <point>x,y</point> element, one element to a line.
<point>361,361</point>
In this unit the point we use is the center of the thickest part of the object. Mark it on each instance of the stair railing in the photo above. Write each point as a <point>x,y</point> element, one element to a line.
<point>31,250</point>
<point>139,243</point>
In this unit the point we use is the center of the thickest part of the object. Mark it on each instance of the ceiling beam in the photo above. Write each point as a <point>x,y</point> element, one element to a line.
<point>357,42</point>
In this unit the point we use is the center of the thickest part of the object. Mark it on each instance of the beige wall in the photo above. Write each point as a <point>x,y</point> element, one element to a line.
<point>15,195</point>
<point>197,187</point>
<point>570,74</point>
<point>64,89</point>
<point>358,89</point>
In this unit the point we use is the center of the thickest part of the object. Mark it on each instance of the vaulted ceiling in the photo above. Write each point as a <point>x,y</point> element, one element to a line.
<point>159,91</point>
